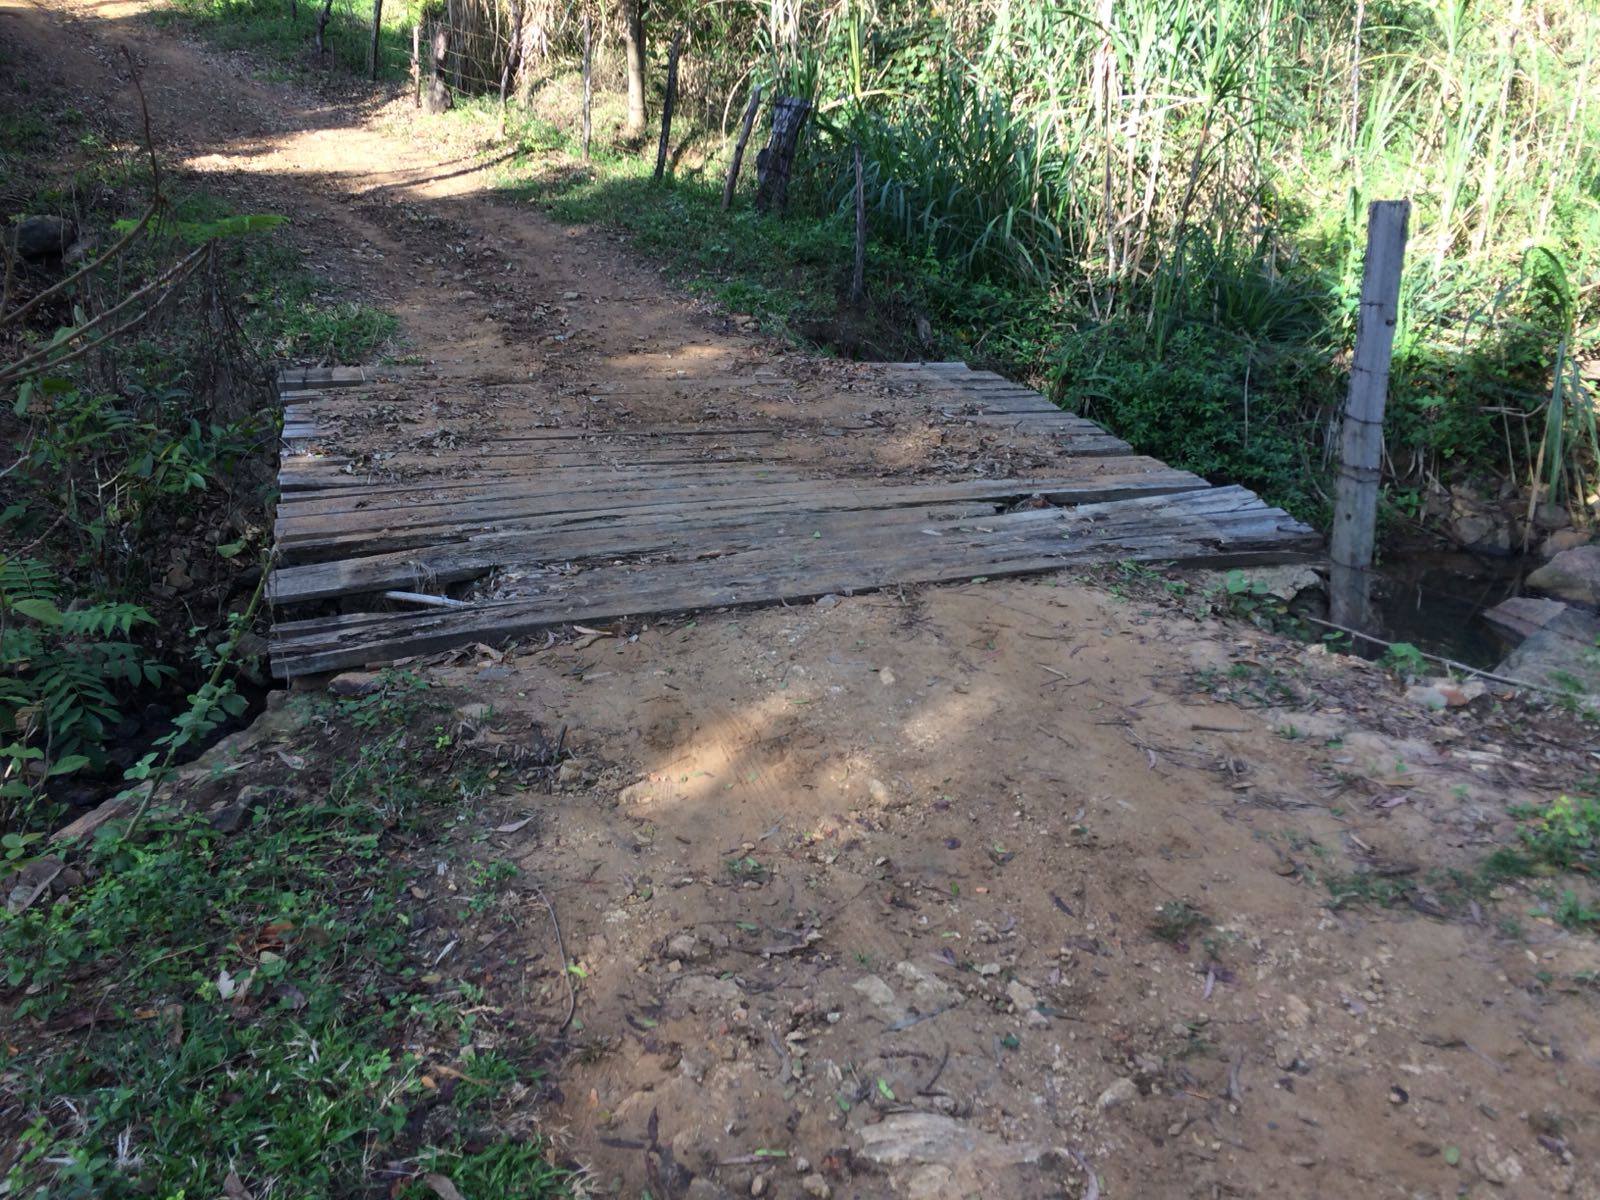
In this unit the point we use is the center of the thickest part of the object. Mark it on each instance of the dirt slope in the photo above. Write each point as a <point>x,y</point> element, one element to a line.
<point>874,884</point>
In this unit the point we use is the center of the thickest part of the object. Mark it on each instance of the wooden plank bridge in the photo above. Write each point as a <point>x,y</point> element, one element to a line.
<point>500,507</point>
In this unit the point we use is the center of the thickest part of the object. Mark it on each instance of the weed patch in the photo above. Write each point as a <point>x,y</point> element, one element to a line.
<point>207,1005</point>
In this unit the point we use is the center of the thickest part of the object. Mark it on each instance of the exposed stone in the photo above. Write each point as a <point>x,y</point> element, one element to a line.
<point>1573,575</point>
<point>1564,539</point>
<point>1561,653</point>
<point>686,947</point>
<point>353,684</point>
<point>233,816</point>
<point>881,996</point>
<point>43,236</point>
<point>815,1185</point>
<point>1484,530</point>
<point>929,993</point>
<point>1523,616</point>
<point>1021,996</point>
<point>1123,1091</point>
<point>1549,516</point>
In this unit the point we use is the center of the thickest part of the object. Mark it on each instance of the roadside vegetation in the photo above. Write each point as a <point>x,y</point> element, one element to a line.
<point>1155,212</point>
<point>230,1003</point>
<point>141,424</point>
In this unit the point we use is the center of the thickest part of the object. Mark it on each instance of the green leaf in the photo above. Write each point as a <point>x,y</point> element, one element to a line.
<point>40,610</point>
<point>1452,1155</point>
<point>229,549</point>
<point>68,764</point>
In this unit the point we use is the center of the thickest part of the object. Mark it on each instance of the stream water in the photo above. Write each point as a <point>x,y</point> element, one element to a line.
<point>1436,600</point>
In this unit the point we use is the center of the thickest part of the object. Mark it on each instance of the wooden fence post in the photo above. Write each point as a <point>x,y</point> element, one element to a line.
<point>416,65</point>
<point>513,57</point>
<point>858,277</point>
<point>1355,511</point>
<point>377,29</point>
<point>588,82</point>
<point>439,99</point>
<point>738,148</point>
<point>776,159</point>
<point>667,104</point>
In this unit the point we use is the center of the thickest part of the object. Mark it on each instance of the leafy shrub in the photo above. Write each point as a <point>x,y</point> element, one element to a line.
<point>62,672</point>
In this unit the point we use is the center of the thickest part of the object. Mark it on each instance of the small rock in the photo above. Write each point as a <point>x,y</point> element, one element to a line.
<point>353,684</point>
<point>878,790</point>
<point>232,817</point>
<point>1021,996</point>
<point>1297,1013</point>
<point>886,677</point>
<point>1123,1091</point>
<point>570,296</point>
<point>43,237</point>
<point>1286,1054</point>
<point>1549,516</point>
<point>801,1164</point>
<point>881,996</point>
<point>758,1186</point>
<point>570,772</point>
<point>474,712</point>
<point>815,1185</point>
<point>686,947</point>
<point>828,601</point>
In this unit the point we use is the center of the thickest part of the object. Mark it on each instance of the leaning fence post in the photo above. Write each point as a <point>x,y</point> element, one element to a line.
<point>666,105</point>
<point>776,158</point>
<point>588,81</point>
<point>1355,511</point>
<point>738,148</point>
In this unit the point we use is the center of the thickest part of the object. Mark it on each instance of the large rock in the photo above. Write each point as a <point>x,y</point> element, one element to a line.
<point>43,237</point>
<point>1564,539</point>
<point>1573,576</point>
<point>1560,651</point>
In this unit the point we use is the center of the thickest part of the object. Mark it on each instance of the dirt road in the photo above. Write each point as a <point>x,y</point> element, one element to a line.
<point>1016,890</point>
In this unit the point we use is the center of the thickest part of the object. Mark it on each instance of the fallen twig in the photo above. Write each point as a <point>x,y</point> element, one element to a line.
<point>561,948</point>
<point>1439,658</point>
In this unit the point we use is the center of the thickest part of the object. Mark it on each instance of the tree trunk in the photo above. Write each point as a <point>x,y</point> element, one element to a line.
<point>633,41</point>
<point>738,149</point>
<point>322,25</point>
<point>667,103</point>
<point>513,53</point>
<point>776,159</point>
<point>377,29</point>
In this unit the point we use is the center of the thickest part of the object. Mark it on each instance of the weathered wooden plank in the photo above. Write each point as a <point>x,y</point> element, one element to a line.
<point>308,544</point>
<point>347,493</point>
<point>1015,543</point>
<point>674,535</point>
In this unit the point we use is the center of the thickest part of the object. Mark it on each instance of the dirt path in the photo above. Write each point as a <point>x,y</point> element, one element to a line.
<point>1016,890</point>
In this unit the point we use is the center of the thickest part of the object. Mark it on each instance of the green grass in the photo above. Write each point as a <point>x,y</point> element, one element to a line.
<point>207,1004</point>
<point>1560,840</point>
<point>266,28</point>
